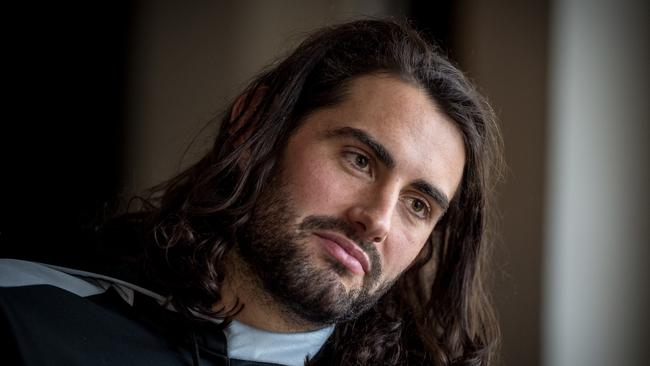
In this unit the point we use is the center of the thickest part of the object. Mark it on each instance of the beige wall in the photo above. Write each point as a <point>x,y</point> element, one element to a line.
<point>503,46</point>
<point>190,59</point>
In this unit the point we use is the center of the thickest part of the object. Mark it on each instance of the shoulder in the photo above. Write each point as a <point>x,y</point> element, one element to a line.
<point>46,325</point>
<point>20,273</point>
<point>49,317</point>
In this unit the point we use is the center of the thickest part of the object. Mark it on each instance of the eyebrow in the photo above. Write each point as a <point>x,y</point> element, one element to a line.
<point>433,192</point>
<point>387,159</point>
<point>362,136</point>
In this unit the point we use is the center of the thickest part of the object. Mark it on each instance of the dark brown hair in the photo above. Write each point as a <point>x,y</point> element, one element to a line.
<point>439,311</point>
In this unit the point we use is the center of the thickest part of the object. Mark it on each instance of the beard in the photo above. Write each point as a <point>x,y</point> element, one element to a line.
<point>274,248</point>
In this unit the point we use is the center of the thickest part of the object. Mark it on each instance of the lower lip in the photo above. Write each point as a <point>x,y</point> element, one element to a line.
<point>342,256</point>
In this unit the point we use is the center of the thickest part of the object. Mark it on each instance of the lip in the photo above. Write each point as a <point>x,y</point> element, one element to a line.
<point>349,247</point>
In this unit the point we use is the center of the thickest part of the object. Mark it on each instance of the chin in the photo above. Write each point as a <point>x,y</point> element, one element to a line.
<point>348,279</point>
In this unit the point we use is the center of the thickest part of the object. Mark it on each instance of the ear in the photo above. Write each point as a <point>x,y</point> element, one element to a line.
<point>242,111</point>
<point>241,125</point>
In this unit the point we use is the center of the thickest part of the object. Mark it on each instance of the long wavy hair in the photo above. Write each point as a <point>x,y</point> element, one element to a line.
<point>439,311</point>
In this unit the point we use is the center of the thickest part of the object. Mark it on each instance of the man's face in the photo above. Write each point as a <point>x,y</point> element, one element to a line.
<point>357,193</point>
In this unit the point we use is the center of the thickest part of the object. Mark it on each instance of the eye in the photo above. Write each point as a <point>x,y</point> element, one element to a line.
<point>419,207</point>
<point>361,161</point>
<point>358,161</point>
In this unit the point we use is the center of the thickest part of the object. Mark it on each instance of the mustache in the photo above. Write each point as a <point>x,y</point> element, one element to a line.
<point>333,224</point>
<point>313,222</point>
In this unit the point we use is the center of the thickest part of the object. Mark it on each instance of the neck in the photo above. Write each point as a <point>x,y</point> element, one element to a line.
<point>260,309</point>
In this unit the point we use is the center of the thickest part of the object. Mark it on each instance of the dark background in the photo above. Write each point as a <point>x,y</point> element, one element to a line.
<point>63,128</point>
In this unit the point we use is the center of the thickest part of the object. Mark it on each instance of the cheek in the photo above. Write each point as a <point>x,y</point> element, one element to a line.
<point>402,247</point>
<point>315,185</point>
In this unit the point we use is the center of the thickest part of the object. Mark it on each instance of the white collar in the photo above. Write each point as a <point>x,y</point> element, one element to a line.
<point>248,343</point>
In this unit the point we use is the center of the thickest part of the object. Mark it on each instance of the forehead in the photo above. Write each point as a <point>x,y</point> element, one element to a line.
<point>424,142</point>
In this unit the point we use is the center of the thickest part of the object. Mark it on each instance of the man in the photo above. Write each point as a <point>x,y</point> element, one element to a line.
<point>338,219</point>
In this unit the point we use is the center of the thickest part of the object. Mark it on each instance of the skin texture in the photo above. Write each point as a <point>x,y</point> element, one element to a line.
<point>335,183</point>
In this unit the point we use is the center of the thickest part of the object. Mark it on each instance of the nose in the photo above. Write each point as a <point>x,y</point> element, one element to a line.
<point>372,217</point>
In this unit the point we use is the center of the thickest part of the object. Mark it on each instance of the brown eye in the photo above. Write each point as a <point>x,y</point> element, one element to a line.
<point>358,161</point>
<point>361,161</point>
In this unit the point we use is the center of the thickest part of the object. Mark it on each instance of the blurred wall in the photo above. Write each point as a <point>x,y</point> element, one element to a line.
<point>503,46</point>
<point>597,291</point>
<point>190,60</point>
